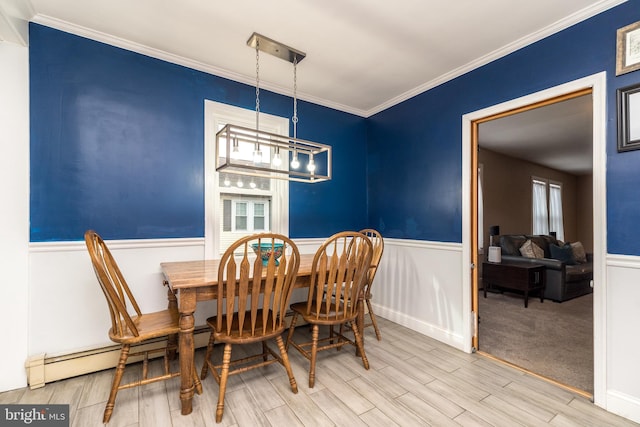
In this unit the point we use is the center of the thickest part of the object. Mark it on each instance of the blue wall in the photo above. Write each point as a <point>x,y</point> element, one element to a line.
<point>422,198</point>
<point>117,145</point>
<point>116,142</point>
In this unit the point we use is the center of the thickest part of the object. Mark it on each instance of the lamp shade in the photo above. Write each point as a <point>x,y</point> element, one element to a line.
<point>494,230</point>
<point>495,254</point>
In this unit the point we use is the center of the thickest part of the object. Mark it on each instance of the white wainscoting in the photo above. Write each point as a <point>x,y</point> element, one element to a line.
<point>68,312</point>
<point>419,285</point>
<point>622,301</point>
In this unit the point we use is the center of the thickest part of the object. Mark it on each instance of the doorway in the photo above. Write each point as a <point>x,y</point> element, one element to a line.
<point>596,86</point>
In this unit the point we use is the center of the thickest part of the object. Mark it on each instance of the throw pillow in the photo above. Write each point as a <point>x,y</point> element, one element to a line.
<point>562,253</point>
<point>531,250</point>
<point>579,254</point>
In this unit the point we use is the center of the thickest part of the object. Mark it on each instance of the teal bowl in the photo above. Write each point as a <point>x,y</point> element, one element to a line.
<point>264,251</point>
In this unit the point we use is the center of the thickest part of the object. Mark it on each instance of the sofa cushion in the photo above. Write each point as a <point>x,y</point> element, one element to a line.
<point>510,244</point>
<point>562,253</point>
<point>544,241</point>
<point>579,254</point>
<point>531,250</point>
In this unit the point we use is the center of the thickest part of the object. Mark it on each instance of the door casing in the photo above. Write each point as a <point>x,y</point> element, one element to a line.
<point>596,84</point>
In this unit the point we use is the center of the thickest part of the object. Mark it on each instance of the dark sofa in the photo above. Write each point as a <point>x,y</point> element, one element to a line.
<point>563,281</point>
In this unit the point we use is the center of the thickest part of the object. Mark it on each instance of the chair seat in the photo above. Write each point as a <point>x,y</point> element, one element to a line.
<point>150,325</point>
<point>331,317</point>
<point>246,337</point>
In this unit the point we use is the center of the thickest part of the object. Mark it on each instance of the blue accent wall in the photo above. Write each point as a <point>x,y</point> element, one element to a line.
<point>415,158</point>
<point>117,145</point>
<point>117,142</point>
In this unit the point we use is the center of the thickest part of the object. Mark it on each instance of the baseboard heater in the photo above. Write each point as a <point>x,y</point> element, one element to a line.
<point>42,369</point>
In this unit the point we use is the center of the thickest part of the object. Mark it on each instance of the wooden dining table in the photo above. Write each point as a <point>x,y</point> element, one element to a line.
<point>193,281</point>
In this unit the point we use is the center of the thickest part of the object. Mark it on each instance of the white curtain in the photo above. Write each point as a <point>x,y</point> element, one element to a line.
<point>540,215</point>
<point>480,213</point>
<point>555,211</point>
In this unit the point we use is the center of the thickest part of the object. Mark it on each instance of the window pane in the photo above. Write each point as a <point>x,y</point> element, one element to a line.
<point>540,216</point>
<point>258,223</point>
<point>226,215</point>
<point>258,216</point>
<point>555,211</point>
<point>241,216</point>
<point>241,223</point>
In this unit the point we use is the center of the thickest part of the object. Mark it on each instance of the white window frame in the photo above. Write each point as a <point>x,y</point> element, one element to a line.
<point>547,183</point>
<point>216,115</point>
<point>250,214</point>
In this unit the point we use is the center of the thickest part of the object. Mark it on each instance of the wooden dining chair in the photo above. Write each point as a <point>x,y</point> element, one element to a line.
<point>338,277</point>
<point>130,329</point>
<point>251,306</point>
<point>378,247</point>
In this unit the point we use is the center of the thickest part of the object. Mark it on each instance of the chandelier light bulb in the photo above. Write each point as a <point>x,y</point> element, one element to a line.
<point>295,163</point>
<point>257,156</point>
<point>277,161</point>
<point>235,151</point>
<point>311,166</point>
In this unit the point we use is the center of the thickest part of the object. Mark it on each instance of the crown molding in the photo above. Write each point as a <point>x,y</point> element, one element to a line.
<point>13,28</point>
<point>186,62</point>
<point>554,28</point>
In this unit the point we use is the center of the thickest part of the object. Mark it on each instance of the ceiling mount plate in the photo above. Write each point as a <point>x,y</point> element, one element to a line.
<point>272,47</point>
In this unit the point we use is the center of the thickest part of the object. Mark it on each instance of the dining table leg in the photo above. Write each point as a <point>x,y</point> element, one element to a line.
<point>187,306</point>
<point>172,340</point>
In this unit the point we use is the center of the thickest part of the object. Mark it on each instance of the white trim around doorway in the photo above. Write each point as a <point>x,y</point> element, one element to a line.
<point>597,82</point>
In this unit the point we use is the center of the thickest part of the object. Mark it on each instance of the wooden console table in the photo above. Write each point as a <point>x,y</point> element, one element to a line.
<point>523,277</point>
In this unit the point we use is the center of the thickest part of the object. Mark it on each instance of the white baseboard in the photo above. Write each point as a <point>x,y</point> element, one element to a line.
<point>624,405</point>
<point>421,326</point>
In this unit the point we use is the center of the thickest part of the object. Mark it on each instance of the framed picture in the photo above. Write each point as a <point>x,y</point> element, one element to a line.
<point>628,49</point>
<point>629,118</point>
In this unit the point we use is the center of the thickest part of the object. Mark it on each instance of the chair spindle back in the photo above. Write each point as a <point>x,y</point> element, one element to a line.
<point>339,273</point>
<point>114,286</point>
<point>378,247</point>
<point>252,289</point>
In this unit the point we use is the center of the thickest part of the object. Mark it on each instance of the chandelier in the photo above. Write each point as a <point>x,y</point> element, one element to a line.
<point>254,152</point>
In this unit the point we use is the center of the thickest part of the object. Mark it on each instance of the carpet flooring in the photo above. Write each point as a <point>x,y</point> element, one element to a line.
<point>550,339</point>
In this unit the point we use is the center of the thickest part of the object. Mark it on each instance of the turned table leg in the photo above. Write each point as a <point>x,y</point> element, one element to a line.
<point>187,308</point>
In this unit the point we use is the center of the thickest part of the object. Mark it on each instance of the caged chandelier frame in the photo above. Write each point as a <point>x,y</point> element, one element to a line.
<point>308,161</point>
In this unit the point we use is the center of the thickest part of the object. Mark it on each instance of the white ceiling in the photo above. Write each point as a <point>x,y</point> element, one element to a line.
<point>559,136</point>
<point>362,55</point>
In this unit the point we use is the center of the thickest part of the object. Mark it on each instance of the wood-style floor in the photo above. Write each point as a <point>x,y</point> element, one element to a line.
<point>413,381</point>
